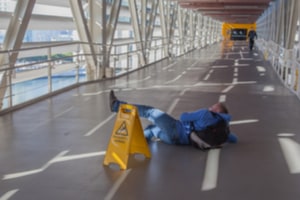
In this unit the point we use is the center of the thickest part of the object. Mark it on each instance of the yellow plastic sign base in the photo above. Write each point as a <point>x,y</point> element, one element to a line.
<point>127,137</point>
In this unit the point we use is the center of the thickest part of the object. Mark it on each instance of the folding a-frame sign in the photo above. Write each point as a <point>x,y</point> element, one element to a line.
<point>127,137</point>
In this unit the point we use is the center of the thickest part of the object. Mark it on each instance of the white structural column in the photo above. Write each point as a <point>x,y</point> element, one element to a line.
<point>137,30</point>
<point>111,26</point>
<point>163,16</point>
<point>168,17</point>
<point>16,29</point>
<point>291,23</point>
<point>181,19</point>
<point>85,36</point>
<point>143,17</point>
<point>150,26</point>
<point>278,22</point>
<point>102,20</point>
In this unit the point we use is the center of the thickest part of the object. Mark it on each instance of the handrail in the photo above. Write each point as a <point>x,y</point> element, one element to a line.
<point>286,63</point>
<point>124,58</point>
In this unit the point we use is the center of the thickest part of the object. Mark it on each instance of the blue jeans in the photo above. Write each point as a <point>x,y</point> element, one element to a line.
<point>163,125</point>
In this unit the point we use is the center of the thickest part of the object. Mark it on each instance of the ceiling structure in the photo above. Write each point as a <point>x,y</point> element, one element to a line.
<point>229,11</point>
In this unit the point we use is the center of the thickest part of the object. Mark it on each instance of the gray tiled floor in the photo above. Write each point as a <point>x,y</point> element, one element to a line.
<point>54,149</point>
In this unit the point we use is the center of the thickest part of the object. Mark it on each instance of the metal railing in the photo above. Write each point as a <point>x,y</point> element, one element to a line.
<point>45,70</point>
<point>286,63</point>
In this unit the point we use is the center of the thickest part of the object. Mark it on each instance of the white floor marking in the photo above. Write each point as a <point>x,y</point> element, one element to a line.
<point>291,152</point>
<point>236,62</point>
<point>9,194</point>
<point>175,79</point>
<point>261,69</point>
<point>247,121</point>
<point>206,77</point>
<point>92,93</point>
<point>286,134</point>
<point>116,186</point>
<point>195,69</point>
<point>222,98</point>
<point>169,66</point>
<point>79,156</point>
<point>47,121</point>
<point>131,82</point>
<point>35,171</point>
<point>241,65</point>
<point>183,91</point>
<point>99,125</point>
<point>193,65</point>
<point>241,54</point>
<point>219,66</point>
<point>59,158</point>
<point>128,89</point>
<point>63,112</point>
<point>211,170</point>
<point>173,105</point>
<point>245,82</point>
<point>228,89</point>
<point>269,88</point>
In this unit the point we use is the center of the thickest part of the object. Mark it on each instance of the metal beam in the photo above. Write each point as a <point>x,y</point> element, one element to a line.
<point>137,30</point>
<point>85,36</point>
<point>12,41</point>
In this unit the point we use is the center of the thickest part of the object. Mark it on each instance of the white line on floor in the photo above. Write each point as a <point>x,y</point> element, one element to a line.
<point>183,91</point>
<point>92,93</point>
<point>175,79</point>
<point>219,66</point>
<point>222,98</point>
<point>9,194</point>
<point>291,152</point>
<point>241,65</point>
<point>78,156</point>
<point>132,82</point>
<point>35,171</point>
<point>241,53</point>
<point>169,66</point>
<point>211,170</point>
<point>63,112</point>
<point>59,158</point>
<point>116,186</point>
<point>173,105</point>
<point>243,121</point>
<point>228,89</point>
<point>99,125</point>
<point>206,77</point>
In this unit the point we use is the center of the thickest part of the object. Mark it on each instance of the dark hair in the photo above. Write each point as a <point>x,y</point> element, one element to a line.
<point>223,108</point>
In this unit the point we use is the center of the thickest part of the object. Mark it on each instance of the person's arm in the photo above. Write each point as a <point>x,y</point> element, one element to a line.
<point>191,116</point>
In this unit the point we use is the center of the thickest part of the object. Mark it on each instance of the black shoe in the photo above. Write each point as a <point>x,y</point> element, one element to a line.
<point>112,99</point>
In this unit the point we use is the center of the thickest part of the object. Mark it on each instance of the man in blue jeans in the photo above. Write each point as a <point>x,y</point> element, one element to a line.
<point>252,35</point>
<point>182,131</point>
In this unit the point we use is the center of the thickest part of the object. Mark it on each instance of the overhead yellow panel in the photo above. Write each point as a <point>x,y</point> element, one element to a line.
<point>226,28</point>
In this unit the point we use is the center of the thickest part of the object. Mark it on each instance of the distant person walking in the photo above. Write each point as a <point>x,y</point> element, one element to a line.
<point>251,36</point>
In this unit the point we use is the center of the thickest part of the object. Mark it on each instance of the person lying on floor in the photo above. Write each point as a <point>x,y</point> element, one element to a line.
<point>204,128</point>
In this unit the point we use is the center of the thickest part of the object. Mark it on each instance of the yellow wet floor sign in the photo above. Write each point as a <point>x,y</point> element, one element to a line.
<point>127,137</point>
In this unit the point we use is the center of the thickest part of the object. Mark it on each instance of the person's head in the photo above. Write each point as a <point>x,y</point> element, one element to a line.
<point>218,108</point>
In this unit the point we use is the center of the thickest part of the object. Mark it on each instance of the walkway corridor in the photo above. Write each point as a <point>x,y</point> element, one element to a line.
<point>54,149</point>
